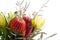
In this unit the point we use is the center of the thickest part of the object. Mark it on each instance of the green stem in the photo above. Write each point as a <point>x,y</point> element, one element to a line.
<point>4,34</point>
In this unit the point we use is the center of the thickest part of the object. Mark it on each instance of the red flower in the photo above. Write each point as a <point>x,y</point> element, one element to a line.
<point>27,19</point>
<point>18,25</point>
<point>29,28</point>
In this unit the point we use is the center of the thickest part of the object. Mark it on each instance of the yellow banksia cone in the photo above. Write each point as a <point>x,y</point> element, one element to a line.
<point>2,19</point>
<point>38,22</point>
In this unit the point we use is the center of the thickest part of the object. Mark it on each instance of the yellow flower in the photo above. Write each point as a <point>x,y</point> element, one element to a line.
<point>38,22</point>
<point>2,19</point>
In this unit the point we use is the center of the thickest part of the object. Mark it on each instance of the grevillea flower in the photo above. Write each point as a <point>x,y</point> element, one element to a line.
<point>18,25</point>
<point>38,22</point>
<point>2,20</point>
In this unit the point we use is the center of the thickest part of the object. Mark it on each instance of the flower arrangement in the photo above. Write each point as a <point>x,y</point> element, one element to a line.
<point>18,26</point>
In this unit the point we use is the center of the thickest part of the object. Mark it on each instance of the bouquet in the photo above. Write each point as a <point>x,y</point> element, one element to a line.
<point>17,26</point>
<point>14,27</point>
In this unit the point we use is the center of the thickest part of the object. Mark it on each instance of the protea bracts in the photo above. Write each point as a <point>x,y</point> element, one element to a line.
<point>18,25</point>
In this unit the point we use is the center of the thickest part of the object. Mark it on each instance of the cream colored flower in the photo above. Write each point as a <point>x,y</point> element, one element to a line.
<point>11,15</point>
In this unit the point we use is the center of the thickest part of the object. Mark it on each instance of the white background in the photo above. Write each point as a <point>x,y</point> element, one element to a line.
<point>50,13</point>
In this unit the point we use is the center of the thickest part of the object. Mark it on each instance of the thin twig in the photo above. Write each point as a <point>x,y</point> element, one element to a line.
<point>34,14</point>
<point>50,36</point>
<point>26,6</point>
<point>44,5</point>
<point>41,37</point>
<point>21,2</point>
<point>23,9</point>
